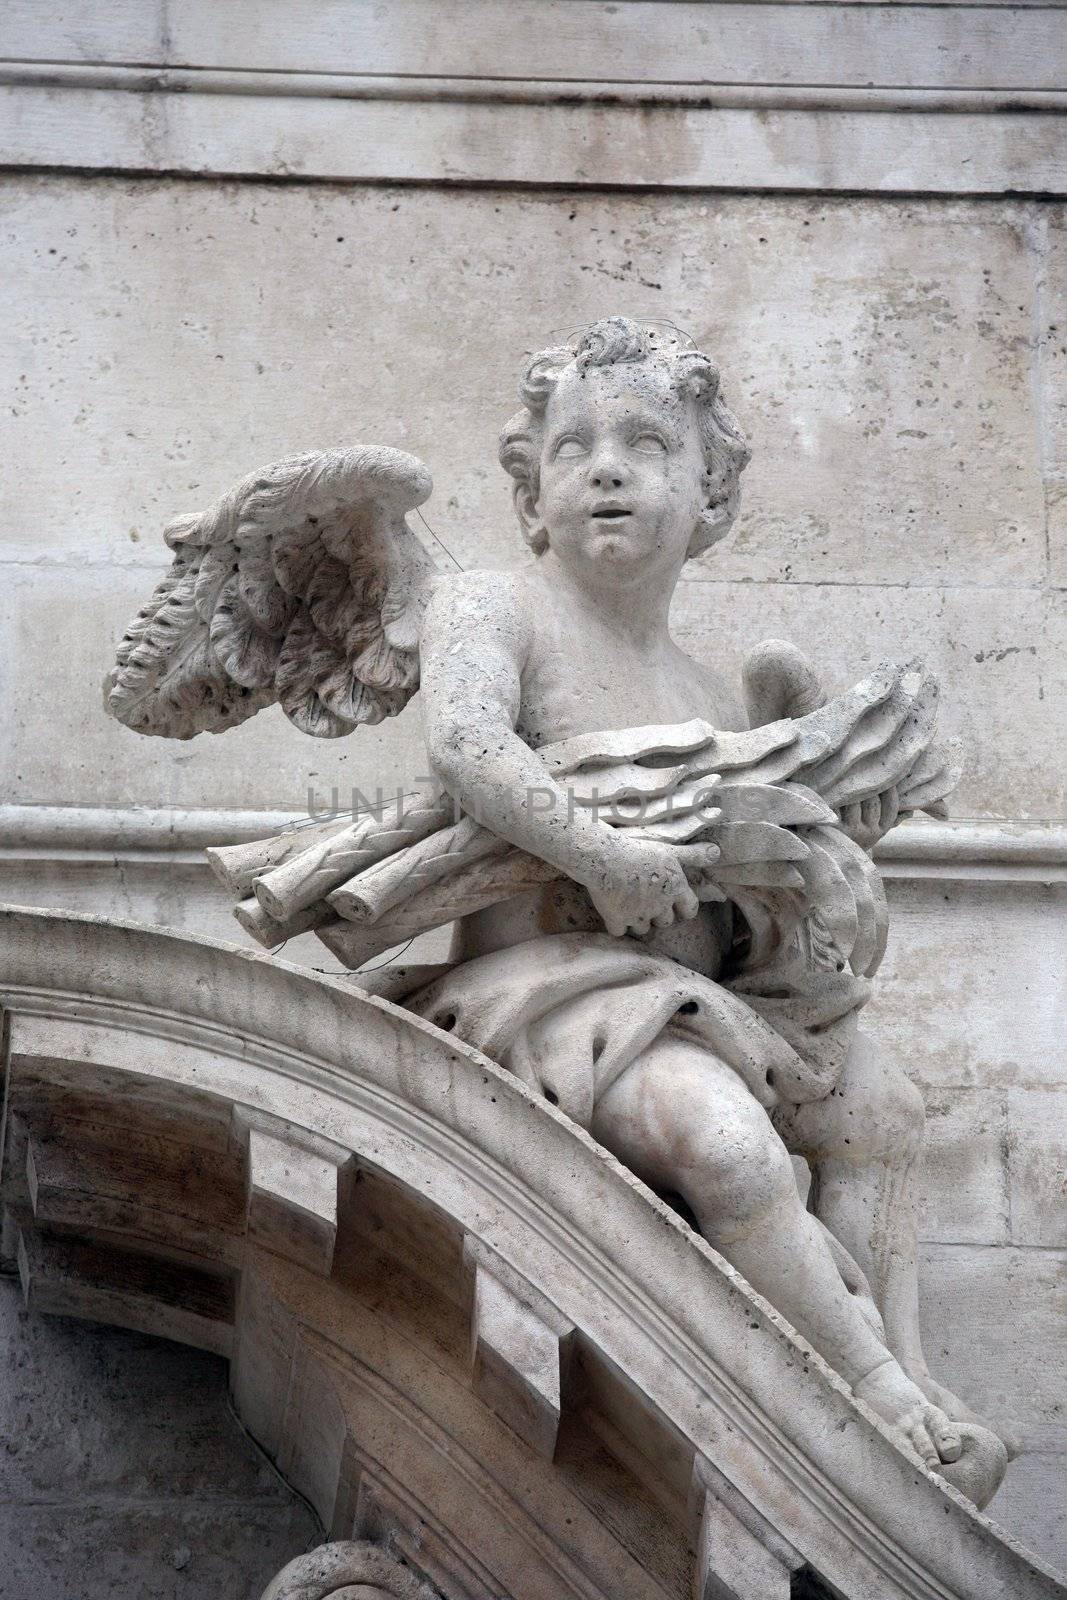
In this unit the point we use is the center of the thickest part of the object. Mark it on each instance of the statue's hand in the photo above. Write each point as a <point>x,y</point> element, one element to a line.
<point>640,885</point>
<point>868,821</point>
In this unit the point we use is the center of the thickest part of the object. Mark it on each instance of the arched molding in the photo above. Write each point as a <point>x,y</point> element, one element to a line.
<point>452,1318</point>
<point>347,1570</point>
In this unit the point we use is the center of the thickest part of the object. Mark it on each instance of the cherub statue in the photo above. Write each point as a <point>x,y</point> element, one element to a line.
<point>666,915</point>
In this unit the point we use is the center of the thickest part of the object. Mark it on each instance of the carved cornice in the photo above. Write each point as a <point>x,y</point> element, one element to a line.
<point>529,91</point>
<point>964,850</point>
<point>930,98</point>
<point>110,1022</point>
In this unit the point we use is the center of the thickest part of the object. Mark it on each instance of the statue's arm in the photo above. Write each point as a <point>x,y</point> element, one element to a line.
<point>474,642</point>
<point>779,681</point>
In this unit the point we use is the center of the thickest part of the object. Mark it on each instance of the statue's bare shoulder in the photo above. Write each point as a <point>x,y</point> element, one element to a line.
<point>474,644</point>
<point>487,599</point>
<point>722,697</point>
<point>476,615</point>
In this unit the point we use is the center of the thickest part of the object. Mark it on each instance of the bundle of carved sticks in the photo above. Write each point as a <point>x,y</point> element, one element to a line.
<point>768,799</point>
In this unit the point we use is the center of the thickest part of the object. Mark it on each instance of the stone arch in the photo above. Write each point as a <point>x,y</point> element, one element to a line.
<point>458,1326</point>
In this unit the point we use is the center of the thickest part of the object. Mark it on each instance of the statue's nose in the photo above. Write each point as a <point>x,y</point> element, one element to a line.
<point>607,471</point>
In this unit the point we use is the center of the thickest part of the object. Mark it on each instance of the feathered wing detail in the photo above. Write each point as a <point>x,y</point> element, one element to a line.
<point>303,585</point>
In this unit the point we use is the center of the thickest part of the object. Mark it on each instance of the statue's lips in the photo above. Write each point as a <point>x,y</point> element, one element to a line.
<point>611,513</point>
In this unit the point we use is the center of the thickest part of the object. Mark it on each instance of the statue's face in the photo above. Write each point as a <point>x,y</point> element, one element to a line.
<point>622,479</point>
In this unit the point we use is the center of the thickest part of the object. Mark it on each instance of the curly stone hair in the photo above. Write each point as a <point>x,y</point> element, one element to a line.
<point>615,340</point>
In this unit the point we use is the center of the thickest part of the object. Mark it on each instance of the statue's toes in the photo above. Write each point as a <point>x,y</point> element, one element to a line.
<point>945,1400</point>
<point>946,1436</point>
<point>924,1446</point>
<point>959,1412</point>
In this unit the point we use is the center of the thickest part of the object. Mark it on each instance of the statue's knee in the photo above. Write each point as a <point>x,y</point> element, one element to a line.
<point>743,1175</point>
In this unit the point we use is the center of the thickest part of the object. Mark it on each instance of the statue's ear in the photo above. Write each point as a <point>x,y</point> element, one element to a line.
<point>533,529</point>
<point>713,524</point>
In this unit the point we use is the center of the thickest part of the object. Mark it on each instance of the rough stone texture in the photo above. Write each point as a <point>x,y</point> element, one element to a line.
<point>948,98</point>
<point>348,1568</point>
<point>1052,336</point>
<point>125,1473</point>
<point>153,375</point>
<point>971,1001</point>
<point>697,42</point>
<point>981,964</point>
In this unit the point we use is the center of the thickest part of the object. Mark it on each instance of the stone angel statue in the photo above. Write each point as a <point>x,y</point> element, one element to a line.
<point>666,916</point>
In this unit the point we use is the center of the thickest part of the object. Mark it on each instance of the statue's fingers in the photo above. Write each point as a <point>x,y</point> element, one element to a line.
<point>686,905</point>
<point>871,814</point>
<point>890,810</point>
<point>663,919</point>
<point>696,859</point>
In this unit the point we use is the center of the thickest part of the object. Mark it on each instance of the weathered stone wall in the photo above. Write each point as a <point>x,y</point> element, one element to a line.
<point>125,1474</point>
<point>895,363</point>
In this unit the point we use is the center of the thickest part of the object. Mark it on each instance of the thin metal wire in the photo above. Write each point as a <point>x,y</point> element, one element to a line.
<point>387,960</point>
<point>284,1481</point>
<point>438,540</point>
<point>646,322</point>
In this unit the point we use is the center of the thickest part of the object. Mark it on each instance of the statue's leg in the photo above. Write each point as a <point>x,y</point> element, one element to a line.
<point>684,1121</point>
<point>863,1143</point>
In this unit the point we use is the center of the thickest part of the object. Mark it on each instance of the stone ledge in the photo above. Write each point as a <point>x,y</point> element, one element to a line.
<point>704,96</point>
<point>566,143</point>
<point>694,94</point>
<point>1003,47</point>
<point>1013,852</point>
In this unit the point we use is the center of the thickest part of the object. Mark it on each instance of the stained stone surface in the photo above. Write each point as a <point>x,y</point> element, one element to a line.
<point>896,364</point>
<point>124,1473</point>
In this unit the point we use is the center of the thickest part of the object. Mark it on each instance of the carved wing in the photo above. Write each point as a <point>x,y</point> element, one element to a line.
<point>303,585</point>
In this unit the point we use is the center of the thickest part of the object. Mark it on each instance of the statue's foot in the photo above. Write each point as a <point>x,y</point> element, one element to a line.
<point>923,1427</point>
<point>980,1469</point>
<point>968,1455</point>
<point>956,1408</point>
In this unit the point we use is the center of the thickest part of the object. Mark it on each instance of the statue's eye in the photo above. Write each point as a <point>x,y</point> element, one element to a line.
<point>650,444</point>
<point>569,446</point>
